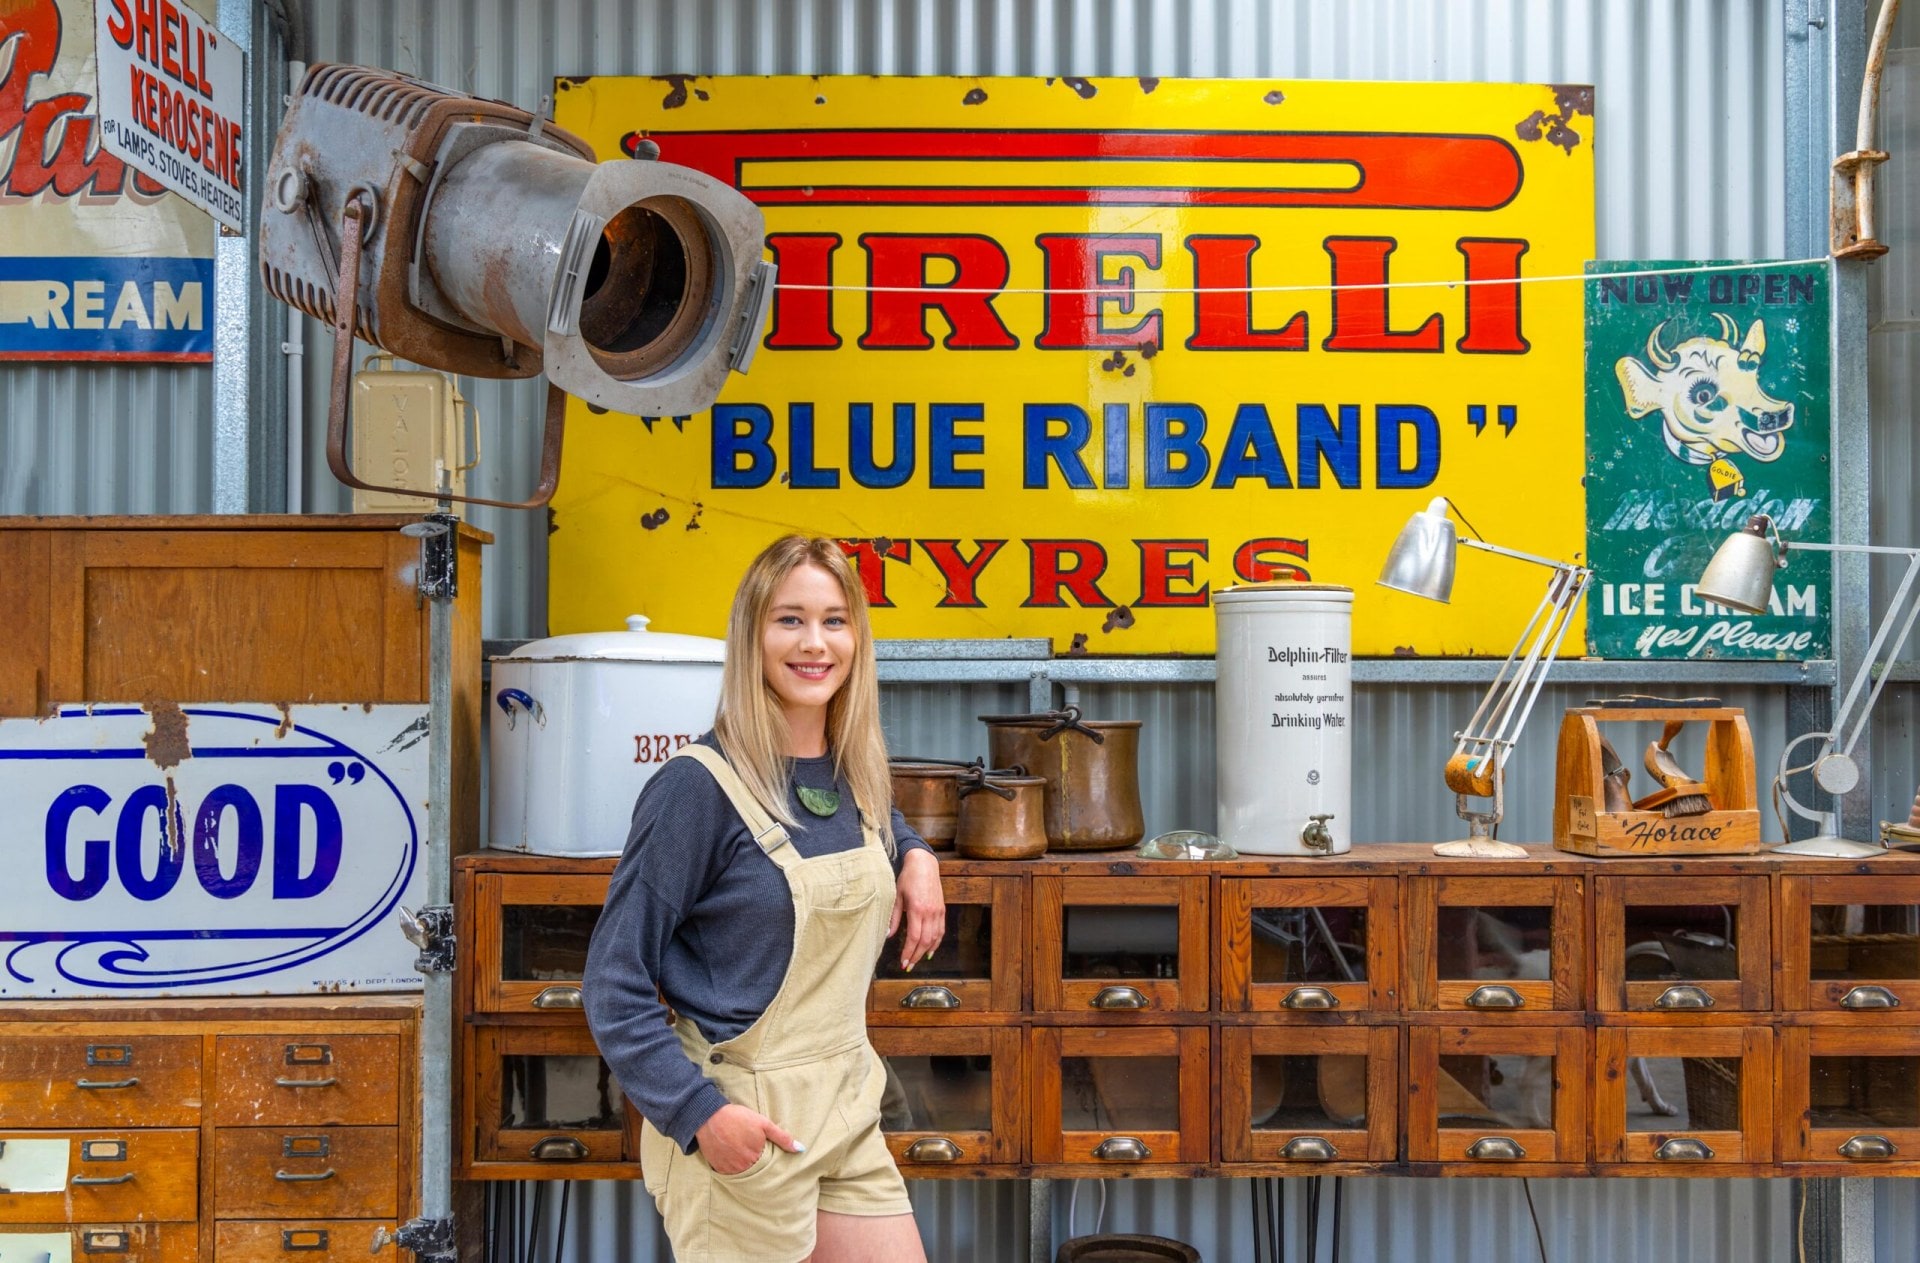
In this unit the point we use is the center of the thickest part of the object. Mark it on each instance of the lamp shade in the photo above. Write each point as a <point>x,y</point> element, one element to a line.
<point>1421,559</point>
<point>1741,572</point>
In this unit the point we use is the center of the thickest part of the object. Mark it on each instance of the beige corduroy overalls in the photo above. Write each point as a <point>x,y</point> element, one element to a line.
<point>806,1064</point>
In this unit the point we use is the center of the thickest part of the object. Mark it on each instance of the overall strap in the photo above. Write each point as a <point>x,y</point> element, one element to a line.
<point>768,833</point>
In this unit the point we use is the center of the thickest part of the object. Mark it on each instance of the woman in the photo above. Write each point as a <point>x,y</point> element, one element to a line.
<point>757,889</point>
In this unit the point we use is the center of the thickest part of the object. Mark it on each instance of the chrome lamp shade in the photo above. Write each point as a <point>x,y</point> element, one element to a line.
<point>1741,572</point>
<point>1420,562</point>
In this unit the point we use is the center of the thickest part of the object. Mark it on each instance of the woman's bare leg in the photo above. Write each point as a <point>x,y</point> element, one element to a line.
<point>867,1239</point>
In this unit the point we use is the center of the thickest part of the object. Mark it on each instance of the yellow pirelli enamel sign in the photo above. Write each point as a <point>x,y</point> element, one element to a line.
<point>1061,357</point>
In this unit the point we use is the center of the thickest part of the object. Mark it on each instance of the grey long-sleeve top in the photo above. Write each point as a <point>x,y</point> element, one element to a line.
<point>698,912</point>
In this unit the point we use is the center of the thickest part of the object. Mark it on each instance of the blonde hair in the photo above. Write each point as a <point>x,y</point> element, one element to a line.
<point>751,726</point>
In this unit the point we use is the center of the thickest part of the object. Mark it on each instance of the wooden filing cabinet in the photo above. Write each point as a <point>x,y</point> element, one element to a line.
<point>226,1131</point>
<point>1385,1011</point>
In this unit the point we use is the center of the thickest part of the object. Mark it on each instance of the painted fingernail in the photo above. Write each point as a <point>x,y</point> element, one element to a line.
<point>909,968</point>
<point>798,1147</point>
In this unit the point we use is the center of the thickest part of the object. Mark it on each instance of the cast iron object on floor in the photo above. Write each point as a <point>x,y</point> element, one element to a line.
<point>1116,1248</point>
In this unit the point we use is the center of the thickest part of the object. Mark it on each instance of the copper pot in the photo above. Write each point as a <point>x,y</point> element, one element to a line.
<point>1002,816</point>
<point>927,792</point>
<point>1092,771</point>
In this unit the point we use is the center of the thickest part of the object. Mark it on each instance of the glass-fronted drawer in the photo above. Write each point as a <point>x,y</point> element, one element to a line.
<point>1120,1097</point>
<point>1681,1096</point>
<point>1851,945</point>
<point>1309,1093</point>
<point>1120,945</point>
<point>976,968</point>
<point>542,1096</point>
<point>1309,945</point>
<point>1679,944</point>
<point>531,932</point>
<point>953,1097</point>
<point>1849,1094</point>
<point>1494,1095</point>
<point>1496,944</point>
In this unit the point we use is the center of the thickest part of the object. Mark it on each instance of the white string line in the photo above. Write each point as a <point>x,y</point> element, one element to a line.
<point>1119,290</point>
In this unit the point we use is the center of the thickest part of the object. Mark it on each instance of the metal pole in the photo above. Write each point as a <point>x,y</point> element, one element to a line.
<point>437,1014</point>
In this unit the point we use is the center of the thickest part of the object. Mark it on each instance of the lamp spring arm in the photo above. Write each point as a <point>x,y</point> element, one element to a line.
<point>1901,600</point>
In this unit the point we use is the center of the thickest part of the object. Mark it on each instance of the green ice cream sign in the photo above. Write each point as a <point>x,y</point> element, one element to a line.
<point>1706,404</point>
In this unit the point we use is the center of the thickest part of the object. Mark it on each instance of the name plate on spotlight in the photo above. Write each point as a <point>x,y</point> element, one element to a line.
<point>211,849</point>
<point>1062,357</point>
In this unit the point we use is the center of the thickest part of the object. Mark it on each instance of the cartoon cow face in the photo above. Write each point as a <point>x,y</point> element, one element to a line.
<point>1708,395</point>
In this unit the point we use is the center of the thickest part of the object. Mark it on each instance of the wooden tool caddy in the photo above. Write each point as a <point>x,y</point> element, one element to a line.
<point>1582,824</point>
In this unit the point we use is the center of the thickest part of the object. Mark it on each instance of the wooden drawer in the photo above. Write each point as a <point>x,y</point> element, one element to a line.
<point>101,1243</point>
<point>307,1080</point>
<point>955,1096</point>
<point>113,1080</point>
<point>1122,947</point>
<point>1309,945</point>
<point>149,1176</point>
<point>1120,1097</point>
<point>302,1241</point>
<point>1497,1095</point>
<point>540,1096</point>
<point>530,939</point>
<point>1848,1094</point>
<point>324,1173</point>
<point>976,969</point>
<point>1309,1094</point>
<point>1496,945</point>
<point>1676,944</point>
<point>1851,945</point>
<point>1700,1096</point>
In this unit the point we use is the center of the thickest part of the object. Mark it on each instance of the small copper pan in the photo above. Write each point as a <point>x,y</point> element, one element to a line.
<point>927,792</point>
<point>1003,815</point>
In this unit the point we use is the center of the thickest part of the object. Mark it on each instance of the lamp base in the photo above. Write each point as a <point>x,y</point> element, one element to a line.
<point>1480,849</point>
<point>1826,846</point>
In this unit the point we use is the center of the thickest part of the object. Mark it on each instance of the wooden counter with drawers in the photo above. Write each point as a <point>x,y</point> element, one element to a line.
<point>1386,1011</point>
<point>230,1131</point>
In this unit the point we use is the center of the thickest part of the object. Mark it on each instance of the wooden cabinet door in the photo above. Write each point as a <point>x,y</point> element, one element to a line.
<point>1851,945</point>
<point>1117,1098</point>
<point>1305,945</point>
<point>1682,944</point>
<point>1120,946</point>
<point>1850,1094</point>
<point>1699,1095</point>
<point>1497,1095</point>
<point>531,932</point>
<point>1496,945</point>
<point>978,967</point>
<point>541,1097</point>
<point>1309,1094</point>
<point>955,1096</point>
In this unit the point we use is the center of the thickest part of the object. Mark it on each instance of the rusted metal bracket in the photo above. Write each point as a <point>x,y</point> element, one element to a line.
<point>438,576</point>
<point>1851,212</point>
<point>430,1240</point>
<point>431,930</point>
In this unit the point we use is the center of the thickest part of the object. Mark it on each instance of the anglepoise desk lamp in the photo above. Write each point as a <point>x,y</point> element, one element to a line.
<point>1741,576</point>
<point>1421,563</point>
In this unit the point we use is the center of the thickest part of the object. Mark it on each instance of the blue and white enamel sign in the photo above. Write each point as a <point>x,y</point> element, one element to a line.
<point>210,849</point>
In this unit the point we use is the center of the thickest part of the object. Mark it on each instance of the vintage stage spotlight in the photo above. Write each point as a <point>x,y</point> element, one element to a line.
<point>469,236</point>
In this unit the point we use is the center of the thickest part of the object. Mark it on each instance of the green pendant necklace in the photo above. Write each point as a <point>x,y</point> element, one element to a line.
<point>821,802</point>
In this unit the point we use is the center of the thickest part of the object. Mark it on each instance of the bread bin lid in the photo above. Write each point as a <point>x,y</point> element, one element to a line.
<point>636,644</point>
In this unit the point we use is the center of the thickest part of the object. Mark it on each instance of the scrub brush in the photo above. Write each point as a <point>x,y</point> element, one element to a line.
<point>1682,795</point>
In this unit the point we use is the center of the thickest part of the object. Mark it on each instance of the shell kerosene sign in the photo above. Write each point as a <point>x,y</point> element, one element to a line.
<point>1061,357</point>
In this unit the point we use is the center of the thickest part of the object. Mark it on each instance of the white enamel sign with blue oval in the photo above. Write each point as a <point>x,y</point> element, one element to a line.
<point>210,849</point>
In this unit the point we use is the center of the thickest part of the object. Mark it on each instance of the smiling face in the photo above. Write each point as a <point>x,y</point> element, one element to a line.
<point>807,644</point>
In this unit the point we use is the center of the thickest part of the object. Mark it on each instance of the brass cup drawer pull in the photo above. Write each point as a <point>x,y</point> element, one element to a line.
<point>303,1177</point>
<point>558,998</point>
<point>1683,1149</point>
<point>1310,998</point>
<point>1309,1149</point>
<point>1122,1149</point>
<point>1869,998</point>
<point>1864,1148</point>
<point>1111,998</point>
<point>934,1149</point>
<point>930,997</point>
<point>95,1181</point>
<point>1496,1149</point>
<point>1495,997</point>
<point>305,1083</point>
<point>559,1149</point>
<point>105,1085</point>
<point>1684,997</point>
